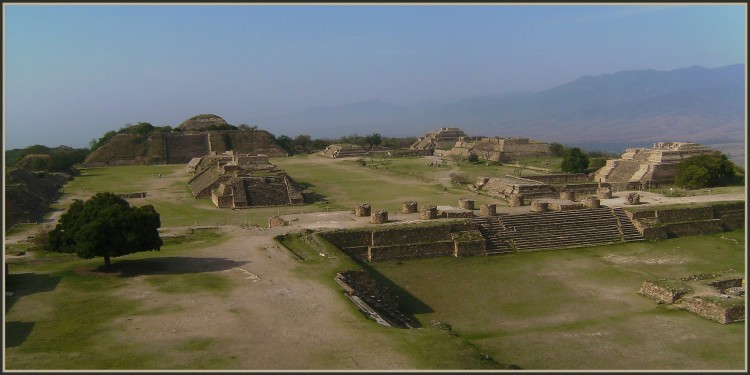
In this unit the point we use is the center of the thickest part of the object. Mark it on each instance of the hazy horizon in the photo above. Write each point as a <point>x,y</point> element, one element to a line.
<point>74,72</point>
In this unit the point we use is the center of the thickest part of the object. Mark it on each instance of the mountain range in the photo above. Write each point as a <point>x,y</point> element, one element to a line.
<point>608,112</point>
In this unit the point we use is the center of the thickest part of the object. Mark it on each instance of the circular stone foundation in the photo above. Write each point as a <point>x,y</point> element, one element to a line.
<point>362,210</point>
<point>488,209</point>
<point>409,207</point>
<point>379,217</point>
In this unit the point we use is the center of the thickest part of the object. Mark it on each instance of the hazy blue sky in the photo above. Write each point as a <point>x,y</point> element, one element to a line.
<point>74,72</point>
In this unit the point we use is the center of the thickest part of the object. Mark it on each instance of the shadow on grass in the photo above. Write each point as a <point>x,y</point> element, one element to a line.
<point>169,266</point>
<point>24,284</point>
<point>16,333</point>
<point>408,304</point>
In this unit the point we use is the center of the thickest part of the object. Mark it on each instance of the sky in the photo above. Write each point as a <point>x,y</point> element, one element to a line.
<point>72,72</point>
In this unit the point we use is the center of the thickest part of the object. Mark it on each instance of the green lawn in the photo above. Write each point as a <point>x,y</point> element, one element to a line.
<point>578,308</point>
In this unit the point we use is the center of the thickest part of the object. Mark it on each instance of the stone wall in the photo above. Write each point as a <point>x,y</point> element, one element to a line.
<point>560,178</point>
<point>694,228</point>
<point>181,148</point>
<point>660,223</point>
<point>402,242</point>
<point>469,243</point>
<point>723,312</point>
<point>661,293</point>
<point>410,251</point>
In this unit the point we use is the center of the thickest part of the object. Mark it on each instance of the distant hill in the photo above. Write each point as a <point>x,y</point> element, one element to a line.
<point>606,112</point>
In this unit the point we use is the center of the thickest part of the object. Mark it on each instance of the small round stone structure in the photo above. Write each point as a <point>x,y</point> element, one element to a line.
<point>516,200</point>
<point>276,221</point>
<point>428,212</point>
<point>362,210</point>
<point>466,203</point>
<point>604,193</point>
<point>409,207</point>
<point>539,206</point>
<point>379,217</point>
<point>568,195</point>
<point>633,198</point>
<point>488,209</point>
<point>592,202</point>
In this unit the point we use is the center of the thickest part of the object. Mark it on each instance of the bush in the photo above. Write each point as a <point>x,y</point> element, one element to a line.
<point>703,171</point>
<point>459,178</point>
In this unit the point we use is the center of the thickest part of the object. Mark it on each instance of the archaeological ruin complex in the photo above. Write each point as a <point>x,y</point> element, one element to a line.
<point>498,149</point>
<point>343,151</point>
<point>454,142</point>
<point>648,166</point>
<point>193,138</point>
<point>442,139</point>
<point>240,181</point>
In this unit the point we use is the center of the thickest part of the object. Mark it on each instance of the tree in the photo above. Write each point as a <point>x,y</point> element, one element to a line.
<point>106,226</point>
<point>473,158</point>
<point>556,149</point>
<point>373,139</point>
<point>574,161</point>
<point>285,142</point>
<point>707,170</point>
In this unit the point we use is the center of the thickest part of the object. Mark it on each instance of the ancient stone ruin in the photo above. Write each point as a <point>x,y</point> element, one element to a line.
<point>195,137</point>
<point>466,203</point>
<point>242,181</point>
<point>488,209</point>
<point>362,210</point>
<point>499,149</point>
<point>633,198</point>
<point>379,217</point>
<point>643,167</point>
<point>277,221</point>
<point>131,195</point>
<point>716,296</point>
<point>442,139</point>
<point>409,207</point>
<point>344,151</point>
<point>659,223</point>
<point>428,212</point>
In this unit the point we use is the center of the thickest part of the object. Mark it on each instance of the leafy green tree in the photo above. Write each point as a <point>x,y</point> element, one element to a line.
<point>302,142</point>
<point>708,170</point>
<point>106,226</point>
<point>285,142</point>
<point>473,158</point>
<point>574,161</point>
<point>556,149</point>
<point>373,139</point>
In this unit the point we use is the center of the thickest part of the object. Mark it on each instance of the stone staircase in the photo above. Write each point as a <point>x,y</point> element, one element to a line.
<point>627,229</point>
<point>556,230</point>
<point>490,228</point>
<point>267,192</point>
<point>181,148</point>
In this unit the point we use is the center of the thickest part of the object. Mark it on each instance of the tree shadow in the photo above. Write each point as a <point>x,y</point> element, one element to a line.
<point>169,266</point>
<point>17,332</point>
<point>23,284</point>
<point>408,304</point>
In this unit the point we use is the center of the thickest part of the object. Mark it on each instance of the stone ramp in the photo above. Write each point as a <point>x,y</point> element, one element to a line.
<point>556,230</point>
